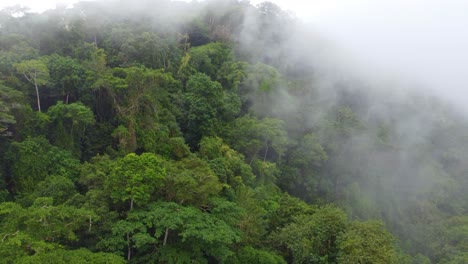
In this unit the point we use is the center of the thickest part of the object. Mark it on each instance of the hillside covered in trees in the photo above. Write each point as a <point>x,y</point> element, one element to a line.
<point>173,132</point>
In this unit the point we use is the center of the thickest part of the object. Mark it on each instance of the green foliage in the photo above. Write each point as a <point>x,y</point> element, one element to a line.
<point>178,148</point>
<point>135,178</point>
<point>71,257</point>
<point>174,255</point>
<point>232,74</point>
<point>228,164</point>
<point>460,258</point>
<point>15,48</point>
<point>94,63</point>
<point>58,187</point>
<point>67,75</point>
<point>93,174</point>
<point>261,89</point>
<point>171,225</point>
<point>190,181</point>
<point>18,244</point>
<point>452,239</point>
<point>289,208</point>
<point>138,93</point>
<point>366,242</point>
<point>209,58</point>
<point>253,222</point>
<point>303,162</point>
<point>33,159</point>
<point>421,259</point>
<point>68,125</point>
<point>255,138</point>
<point>267,172</point>
<point>29,123</point>
<point>313,238</point>
<point>252,255</point>
<point>35,72</point>
<point>44,222</point>
<point>206,106</point>
<point>9,99</point>
<point>189,133</point>
<point>308,152</point>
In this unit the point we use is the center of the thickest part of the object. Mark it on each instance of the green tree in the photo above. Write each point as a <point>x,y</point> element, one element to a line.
<point>302,167</point>
<point>135,178</point>
<point>94,178</point>
<point>264,139</point>
<point>58,187</point>
<point>19,244</point>
<point>66,74</point>
<point>204,105</point>
<point>9,100</point>
<point>68,124</point>
<point>366,242</point>
<point>34,159</point>
<point>35,72</point>
<point>42,224</point>
<point>260,89</point>
<point>289,208</point>
<point>452,241</point>
<point>228,164</point>
<point>15,48</point>
<point>209,58</point>
<point>136,94</point>
<point>313,238</point>
<point>253,222</point>
<point>190,181</point>
<point>63,256</point>
<point>232,74</point>
<point>178,232</point>
<point>252,255</point>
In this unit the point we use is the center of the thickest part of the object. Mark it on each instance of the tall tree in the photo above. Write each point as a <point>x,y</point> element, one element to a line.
<point>366,242</point>
<point>35,72</point>
<point>313,238</point>
<point>68,124</point>
<point>135,93</point>
<point>66,74</point>
<point>135,177</point>
<point>33,159</point>
<point>9,99</point>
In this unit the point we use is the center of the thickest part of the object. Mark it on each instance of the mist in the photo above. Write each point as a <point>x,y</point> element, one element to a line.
<point>399,67</point>
<point>422,43</point>
<point>369,95</point>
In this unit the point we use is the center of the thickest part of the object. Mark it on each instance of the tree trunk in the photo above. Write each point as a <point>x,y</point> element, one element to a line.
<point>132,139</point>
<point>38,100</point>
<point>165,236</point>
<point>90,223</point>
<point>129,249</point>
<point>37,93</point>
<point>34,81</point>
<point>266,151</point>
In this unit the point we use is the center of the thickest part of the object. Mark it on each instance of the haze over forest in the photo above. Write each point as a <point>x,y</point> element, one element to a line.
<point>226,132</point>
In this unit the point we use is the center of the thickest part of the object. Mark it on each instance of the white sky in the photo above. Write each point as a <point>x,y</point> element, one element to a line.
<point>36,6</point>
<point>424,40</point>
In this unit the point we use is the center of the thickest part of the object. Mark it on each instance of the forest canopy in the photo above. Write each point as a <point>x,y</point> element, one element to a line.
<point>206,132</point>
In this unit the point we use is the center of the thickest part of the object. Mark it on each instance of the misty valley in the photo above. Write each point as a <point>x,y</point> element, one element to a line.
<point>136,131</point>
